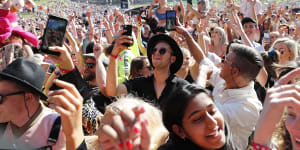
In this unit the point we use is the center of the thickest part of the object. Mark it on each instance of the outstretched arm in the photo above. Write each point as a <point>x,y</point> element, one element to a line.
<point>194,48</point>
<point>278,97</point>
<point>112,88</point>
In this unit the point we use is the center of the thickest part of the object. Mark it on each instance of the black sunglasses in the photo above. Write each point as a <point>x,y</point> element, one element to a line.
<point>90,65</point>
<point>10,94</point>
<point>161,51</point>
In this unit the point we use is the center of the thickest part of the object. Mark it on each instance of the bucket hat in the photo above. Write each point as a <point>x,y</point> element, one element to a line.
<point>27,73</point>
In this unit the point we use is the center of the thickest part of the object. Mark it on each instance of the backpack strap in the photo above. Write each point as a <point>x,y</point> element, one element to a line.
<point>54,133</point>
<point>2,128</point>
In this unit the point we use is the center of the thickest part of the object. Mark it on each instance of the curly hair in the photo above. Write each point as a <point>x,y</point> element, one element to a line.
<point>281,135</point>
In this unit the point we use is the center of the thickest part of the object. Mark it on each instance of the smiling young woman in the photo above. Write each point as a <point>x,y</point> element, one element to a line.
<point>194,122</point>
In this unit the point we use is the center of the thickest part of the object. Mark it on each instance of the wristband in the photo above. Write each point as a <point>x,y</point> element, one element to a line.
<point>256,146</point>
<point>114,56</point>
<point>57,73</point>
<point>66,71</point>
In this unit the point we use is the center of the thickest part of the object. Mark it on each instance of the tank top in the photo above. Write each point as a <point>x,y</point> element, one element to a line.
<point>160,16</point>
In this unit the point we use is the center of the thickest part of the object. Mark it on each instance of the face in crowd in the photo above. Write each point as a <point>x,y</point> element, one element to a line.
<point>89,69</point>
<point>191,115</point>
<point>203,123</point>
<point>11,101</point>
<point>274,36</point>
<point>292,125</point>
<point>250,29</point>
<point>162,56</point>
<point>187,58</point>
<point>227,70</point>
<point>285,53</point>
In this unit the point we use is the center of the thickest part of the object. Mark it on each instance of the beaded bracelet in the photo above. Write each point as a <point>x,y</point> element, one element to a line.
<point>114,56</point>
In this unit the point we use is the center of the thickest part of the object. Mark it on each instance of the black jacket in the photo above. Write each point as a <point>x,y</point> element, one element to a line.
<point>86,91</point>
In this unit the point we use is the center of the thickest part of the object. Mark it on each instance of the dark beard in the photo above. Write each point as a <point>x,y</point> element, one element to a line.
<point>90,77</point>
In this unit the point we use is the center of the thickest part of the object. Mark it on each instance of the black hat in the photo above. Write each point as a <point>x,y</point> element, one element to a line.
<point>89,52</point>
<point>247,19</point>
<point>27,73</point>
<point>174,46</point>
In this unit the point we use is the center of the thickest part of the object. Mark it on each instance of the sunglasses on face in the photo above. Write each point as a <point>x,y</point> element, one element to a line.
<point>90,65</point>
<point>161,51</point>
<point>9,94</point>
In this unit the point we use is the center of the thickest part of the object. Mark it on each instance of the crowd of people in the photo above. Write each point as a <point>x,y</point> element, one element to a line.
<point>224,78</point>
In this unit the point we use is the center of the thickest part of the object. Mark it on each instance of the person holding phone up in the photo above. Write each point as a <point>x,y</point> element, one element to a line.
<point>159,12</point>
<point>163,54</point>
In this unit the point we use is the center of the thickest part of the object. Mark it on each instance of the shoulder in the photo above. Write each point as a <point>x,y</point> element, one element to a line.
<point>168,146</point>
<point>179,81</point>
<point>230,144</point>
<point>169,8</point>
<point>48,114</point>
<point>138,82</point>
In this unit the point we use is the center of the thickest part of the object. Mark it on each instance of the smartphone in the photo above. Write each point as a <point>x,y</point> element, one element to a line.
<point>170,19</point>
<point>54,34</point>
<point>267,36</point>
<point>128,32</point>
<point>190,2</point>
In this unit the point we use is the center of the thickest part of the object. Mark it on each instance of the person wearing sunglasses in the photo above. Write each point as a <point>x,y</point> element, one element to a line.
<point>28,122</point>
<point>166,58</point>
<point>89,72</point>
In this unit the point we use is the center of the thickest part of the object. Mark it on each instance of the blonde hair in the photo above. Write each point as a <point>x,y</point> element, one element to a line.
<point>281,135</point>
<point>159,133</point>
<point>223,36</point>
<point>291,44</point>
<point>187,51</point>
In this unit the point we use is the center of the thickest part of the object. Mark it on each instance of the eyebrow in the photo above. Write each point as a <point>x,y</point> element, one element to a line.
<point>197,111</point>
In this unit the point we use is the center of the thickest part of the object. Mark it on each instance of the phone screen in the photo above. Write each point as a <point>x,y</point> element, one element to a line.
<point>267,36</point>
<point>170,19</point>
<point>128,32</point>
<point>54,34</point>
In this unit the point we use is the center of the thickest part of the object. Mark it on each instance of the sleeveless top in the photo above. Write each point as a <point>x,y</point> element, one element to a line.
<point>160,16</point>
<point>189,78</point>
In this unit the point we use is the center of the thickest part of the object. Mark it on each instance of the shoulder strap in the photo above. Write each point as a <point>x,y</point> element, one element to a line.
<point>2,128</point>
<point>54,133</point>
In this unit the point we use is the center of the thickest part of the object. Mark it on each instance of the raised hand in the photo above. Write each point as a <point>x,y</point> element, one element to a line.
<point>68,103</point>
<point>64,59</point>
<point>128,130</point>
<point>119,47</point>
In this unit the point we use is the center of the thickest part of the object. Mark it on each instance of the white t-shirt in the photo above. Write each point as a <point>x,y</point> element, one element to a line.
<point>258,47</point>
<point>246,8</point>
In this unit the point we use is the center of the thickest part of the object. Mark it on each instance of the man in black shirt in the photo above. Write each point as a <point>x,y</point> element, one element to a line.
<point>164,55</point>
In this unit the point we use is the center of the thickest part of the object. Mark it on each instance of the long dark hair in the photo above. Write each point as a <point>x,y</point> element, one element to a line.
<point>175,107</point>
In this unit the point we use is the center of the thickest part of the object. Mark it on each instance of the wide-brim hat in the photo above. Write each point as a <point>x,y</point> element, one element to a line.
<point>27,73</point>
<point>174,46</point>
<point>89,50</point>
